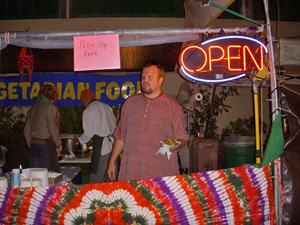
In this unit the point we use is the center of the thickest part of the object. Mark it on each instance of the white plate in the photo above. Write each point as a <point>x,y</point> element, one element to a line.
<point>170,146</point>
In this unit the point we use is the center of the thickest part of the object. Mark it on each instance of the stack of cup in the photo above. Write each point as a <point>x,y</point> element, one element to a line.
<point>31,182</point>
<point>3,183</point>
<point>41,173</point>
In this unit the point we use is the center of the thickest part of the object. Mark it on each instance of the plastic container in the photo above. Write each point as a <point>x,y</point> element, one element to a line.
<point>239,150</point>
<point>203,155</point>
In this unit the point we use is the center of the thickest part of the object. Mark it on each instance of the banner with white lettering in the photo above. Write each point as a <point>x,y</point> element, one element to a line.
<point>110,89</point>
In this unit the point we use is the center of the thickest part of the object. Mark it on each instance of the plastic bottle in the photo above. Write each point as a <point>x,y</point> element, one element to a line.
<point>201,132</point>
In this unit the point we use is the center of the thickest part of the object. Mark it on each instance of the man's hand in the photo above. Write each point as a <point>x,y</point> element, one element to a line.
<point>111,171</point>
<point>178,148</point>
<point>174,150</point>
<point>75,138</point>
<point>58,149</point>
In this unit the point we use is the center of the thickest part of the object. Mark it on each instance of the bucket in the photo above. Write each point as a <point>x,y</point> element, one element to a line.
<point>239,150</point>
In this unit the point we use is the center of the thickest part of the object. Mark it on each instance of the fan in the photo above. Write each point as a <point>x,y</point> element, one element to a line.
<point>189,94</point>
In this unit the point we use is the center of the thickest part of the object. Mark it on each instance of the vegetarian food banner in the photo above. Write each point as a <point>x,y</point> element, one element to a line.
<point>110,89</point>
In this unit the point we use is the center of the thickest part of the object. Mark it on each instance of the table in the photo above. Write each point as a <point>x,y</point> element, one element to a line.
<point>72,174</point>
<point>84,166</point>
<point>75,160</point>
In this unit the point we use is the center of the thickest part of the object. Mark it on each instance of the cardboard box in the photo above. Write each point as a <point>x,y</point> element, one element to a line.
<point>54,178</point>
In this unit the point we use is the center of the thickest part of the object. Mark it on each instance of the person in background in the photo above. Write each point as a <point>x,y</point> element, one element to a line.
<point>41,130</point>
<point>146,119</point>
<point>99,123</point>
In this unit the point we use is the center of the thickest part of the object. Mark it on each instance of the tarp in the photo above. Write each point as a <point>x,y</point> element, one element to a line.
<point>199,15</point>
<point>289,51</point>
<point>133,37</point>
<point>290,100</point>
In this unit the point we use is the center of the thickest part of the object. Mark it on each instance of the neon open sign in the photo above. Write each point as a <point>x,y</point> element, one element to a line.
<point>222,59</point>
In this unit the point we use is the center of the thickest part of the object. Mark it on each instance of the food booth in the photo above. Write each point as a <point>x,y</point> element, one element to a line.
<point>234,195</point>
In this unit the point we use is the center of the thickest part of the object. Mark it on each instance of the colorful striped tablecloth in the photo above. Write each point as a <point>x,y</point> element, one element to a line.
<point>241,195</point>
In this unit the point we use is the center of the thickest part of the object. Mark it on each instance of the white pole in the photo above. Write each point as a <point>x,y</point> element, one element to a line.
<point>143,32</point>
<point>274,104</point>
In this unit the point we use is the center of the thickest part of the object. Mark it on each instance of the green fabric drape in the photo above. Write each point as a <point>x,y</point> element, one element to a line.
<point>275,143</point>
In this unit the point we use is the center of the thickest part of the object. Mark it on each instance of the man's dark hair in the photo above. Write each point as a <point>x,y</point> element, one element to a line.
<point>160,68</point>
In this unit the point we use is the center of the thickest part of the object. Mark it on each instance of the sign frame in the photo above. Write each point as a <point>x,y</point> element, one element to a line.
<point>222,59</point>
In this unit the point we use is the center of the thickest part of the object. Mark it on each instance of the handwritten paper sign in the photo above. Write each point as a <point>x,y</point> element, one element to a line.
<point>97,52</point>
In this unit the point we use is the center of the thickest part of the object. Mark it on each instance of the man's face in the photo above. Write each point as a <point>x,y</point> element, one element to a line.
<point>150,81</point>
